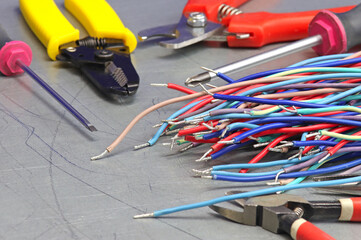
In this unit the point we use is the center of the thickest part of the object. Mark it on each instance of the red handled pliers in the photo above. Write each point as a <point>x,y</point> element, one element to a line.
<point>220,20</point>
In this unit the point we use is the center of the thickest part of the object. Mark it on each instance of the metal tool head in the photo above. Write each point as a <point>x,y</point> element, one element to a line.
<point>106,63</point>
<point>190,29</point>
<point>262,211</point>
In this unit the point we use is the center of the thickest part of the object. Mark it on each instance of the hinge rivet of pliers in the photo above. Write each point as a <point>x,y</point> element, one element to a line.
<point>71,49</point>
<point>197,19</point>
<point>104,54</point>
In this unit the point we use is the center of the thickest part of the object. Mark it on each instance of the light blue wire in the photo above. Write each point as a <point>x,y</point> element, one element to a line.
<point>155,138</point>
<point>237,125</point>
<point>235,174</point>
<point>341,95</point>
<point>255,194</point>
<point>333,57</point>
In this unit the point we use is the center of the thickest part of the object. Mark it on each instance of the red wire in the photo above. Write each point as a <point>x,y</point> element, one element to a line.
<point>192,130</point>
<point>264,152</point>
<point>180,88</point>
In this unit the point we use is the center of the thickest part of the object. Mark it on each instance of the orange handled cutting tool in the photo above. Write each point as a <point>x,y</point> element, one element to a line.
<point>221,21</point>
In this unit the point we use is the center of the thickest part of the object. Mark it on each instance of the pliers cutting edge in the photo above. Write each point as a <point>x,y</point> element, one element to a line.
<point>104,57</point>
<point>290,214</point>
<point>220,20</point>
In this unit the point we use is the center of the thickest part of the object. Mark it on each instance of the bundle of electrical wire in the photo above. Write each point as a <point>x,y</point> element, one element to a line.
<point>312,107</point>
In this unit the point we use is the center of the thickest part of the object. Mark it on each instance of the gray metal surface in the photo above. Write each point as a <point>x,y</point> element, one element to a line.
<point>49,188</point>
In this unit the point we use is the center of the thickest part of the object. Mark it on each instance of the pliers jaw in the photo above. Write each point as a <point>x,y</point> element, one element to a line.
<point>267,211</point>
<point>183,34</point>
<point>106,63</point>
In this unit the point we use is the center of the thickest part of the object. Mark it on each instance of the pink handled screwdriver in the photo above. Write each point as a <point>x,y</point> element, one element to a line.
<point>15,58</point>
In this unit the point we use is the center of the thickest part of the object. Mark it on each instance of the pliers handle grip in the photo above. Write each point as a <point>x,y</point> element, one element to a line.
<point>53,29</point>
<point>264,27</point>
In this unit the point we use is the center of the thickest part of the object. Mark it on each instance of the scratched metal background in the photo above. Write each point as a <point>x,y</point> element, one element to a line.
<point>49,188</point>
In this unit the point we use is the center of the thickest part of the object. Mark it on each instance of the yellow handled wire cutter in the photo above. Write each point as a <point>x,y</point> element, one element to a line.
<point>103,57</point>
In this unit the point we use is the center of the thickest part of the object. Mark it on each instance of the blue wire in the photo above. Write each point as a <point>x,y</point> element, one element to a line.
<point>322,142</point>
<point>212,135</point>
<point>230,148</point>
<point>253,131</point>
<point>255,193</point>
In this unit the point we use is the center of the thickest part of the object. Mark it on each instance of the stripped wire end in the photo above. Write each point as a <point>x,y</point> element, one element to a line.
<point>189,146</point>
<point>324,158</point>
<point>144,145</point>
<point>275,149</point>
<point>211,127</point>
<point>200,173</point>
<point>205,89</point>
<point>224,132</point>
<point>312,134</point>
<point>175,131</point>
<point>204,157</point>
<point>207,177</point>
<point>176,123</point>
<point>100,155</point>
<point>293,156</point>
<point>300,154</point>
<point>215,100</point>
<point>211,85</point>
<point>209,70</point>
<point>159,84</point>
<point>145,215</point>
<point>257,145</point>
<point>157,125</point>
<point>288,144</point>
<point>313,152</point>
<point>227,142</point>
<point>276,182</point>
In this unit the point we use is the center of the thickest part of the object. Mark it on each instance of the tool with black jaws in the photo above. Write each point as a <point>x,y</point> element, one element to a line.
<point>291,214</point>
<point>104,57</point>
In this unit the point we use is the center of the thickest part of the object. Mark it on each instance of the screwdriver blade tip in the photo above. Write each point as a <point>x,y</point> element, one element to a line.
<point>196,80</point>
<point>92,128</point>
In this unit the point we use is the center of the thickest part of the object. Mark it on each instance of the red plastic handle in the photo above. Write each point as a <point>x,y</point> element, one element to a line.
<point>265,27</point>
<point>304,230</point>
<point>350,209</point>
<point>209,7</point>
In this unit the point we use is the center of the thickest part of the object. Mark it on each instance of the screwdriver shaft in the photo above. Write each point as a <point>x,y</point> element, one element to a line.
<point>257,59</point>
<point>56,96</point>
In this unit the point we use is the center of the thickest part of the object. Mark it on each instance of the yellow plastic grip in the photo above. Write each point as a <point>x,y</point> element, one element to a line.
<point>48,23</point>
<point>100,20</point>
